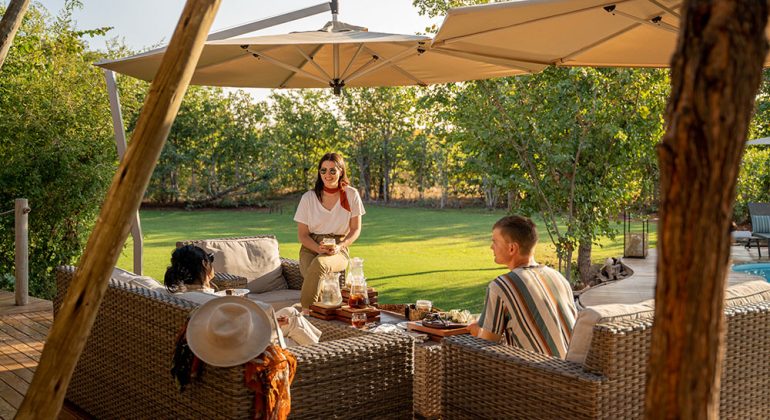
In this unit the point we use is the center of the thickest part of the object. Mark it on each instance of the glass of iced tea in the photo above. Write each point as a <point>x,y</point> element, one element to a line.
<point>358,319</point>
<point>328,242</point>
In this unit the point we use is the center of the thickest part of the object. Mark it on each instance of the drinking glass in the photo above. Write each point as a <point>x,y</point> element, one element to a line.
<point>358,319</point>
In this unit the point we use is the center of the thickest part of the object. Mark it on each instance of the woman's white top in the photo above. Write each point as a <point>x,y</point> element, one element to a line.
<point>336,221</point>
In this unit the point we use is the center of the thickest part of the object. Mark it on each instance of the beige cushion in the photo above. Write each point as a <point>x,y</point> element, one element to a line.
<point>746,293</point>
<point>737,295</point>
<point>256,259</point>
<point>136,280</point>
<point>588,317</point>
<point>278,298</point>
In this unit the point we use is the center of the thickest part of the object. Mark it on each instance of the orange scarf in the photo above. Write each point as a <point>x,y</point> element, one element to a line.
<point>343,195</point>
<point>270,376</point>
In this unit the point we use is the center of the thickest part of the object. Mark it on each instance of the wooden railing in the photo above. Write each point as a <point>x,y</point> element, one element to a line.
<point>21,283</point>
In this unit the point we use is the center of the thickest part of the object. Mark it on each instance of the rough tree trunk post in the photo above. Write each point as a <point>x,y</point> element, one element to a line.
<point>584,259</point>
<point>715,73</point>
<point>9,24</point>
<point>78,311</point>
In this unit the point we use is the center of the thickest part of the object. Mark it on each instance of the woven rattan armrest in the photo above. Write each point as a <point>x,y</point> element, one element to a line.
<point>228,281</point>
<point>371,374</point>
<point>488,380</point>
<point>291,273</point>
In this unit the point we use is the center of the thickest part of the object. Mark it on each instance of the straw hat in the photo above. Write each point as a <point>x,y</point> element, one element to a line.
<point>228,331</point>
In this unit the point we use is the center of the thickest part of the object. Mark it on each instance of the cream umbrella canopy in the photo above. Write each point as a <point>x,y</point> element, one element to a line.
<point>336,56</point>
<point>597,33</point>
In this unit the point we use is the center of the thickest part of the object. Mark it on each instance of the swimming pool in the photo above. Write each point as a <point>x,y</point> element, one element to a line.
<point>759,269</point>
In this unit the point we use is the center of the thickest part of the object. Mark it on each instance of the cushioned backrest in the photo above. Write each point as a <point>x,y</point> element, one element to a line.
<point>760,224</point>
<point>583,332</point>
<point>254,258</point>
<point>136,280</point>
<point>737,295</point>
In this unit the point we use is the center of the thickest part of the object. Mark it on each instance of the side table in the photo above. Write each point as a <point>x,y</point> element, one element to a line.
<point>427,391</point>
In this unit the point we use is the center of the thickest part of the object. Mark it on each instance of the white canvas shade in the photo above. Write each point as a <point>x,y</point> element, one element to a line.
<point>596,33</point>
<point>336,56</point>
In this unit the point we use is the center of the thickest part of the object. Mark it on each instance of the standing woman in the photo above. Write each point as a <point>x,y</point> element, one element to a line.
<point>332,209</point>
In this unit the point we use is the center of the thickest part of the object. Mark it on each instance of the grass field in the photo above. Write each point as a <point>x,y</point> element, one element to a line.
<point>409,253</point>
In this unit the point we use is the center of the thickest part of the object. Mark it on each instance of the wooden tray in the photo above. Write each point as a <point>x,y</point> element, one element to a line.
<point>375,318</point>
<point>417,326</point>
<point>347,312</point>
<point>322,310</point>
<point>322,316</point>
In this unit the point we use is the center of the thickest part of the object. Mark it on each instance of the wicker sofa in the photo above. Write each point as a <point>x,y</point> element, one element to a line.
<point>124,369</point>
<point>486,380</point>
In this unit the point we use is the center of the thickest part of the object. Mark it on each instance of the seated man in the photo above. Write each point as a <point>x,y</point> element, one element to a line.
<point>532,305</point>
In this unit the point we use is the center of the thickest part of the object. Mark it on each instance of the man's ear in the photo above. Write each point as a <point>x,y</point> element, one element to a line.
<point>513,248</point>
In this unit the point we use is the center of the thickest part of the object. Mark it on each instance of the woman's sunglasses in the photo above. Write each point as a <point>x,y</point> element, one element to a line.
<point>210,257</point>
<point>332,171</point>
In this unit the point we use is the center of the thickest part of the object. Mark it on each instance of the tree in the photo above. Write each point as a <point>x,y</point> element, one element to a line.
<point>379,123</point>
<point>55,143</point>
<point>302,129</point>
<point>9,24</point>
<point>568,140</point>
<point>715,73</point>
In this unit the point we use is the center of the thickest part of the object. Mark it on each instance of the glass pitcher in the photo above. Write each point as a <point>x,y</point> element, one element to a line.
<point>359,297</point>
<point>330,290</point>
<point>355,271</point>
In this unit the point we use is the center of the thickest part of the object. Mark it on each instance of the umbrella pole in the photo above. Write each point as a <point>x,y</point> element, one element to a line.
<point>120,145</point>
<point>80,305</point>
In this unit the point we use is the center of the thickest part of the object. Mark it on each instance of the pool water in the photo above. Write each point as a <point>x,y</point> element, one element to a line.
<point>758,269</point>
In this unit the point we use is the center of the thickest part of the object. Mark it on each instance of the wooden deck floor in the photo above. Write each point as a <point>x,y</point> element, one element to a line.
<point>23,330</point>
<point>641,285</point>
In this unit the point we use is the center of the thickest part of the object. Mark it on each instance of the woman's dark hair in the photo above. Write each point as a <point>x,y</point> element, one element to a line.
<point>340,163</point>
<point>189,265</point>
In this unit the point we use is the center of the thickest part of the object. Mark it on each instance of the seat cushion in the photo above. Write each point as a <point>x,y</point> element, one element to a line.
<point>583,332</point>
<point>138,281</point>
<point>737,295</point>
<point>278,298</point>
<point>255,258</point>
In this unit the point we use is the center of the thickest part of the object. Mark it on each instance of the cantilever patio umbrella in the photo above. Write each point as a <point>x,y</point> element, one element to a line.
<point>336,56</point>
<point>596,33</point>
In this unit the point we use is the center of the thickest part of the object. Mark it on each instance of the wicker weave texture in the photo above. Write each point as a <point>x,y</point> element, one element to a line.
<point>486,380</point>
<point>124,369</point>
<point>428,380</point>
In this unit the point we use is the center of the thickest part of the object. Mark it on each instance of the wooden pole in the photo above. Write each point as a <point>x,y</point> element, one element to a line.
<point>715,73</point>
<point>9,24</point>
<point>21,284</point>
<point>79,308</point>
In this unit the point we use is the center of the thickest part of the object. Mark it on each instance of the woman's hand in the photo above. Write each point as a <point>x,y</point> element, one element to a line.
<point>328,249</point>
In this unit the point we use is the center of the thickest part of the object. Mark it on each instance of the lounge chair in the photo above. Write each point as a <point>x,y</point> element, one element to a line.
<point>760,224</point>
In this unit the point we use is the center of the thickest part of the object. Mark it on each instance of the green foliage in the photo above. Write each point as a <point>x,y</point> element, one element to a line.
<point>214,151</point>
<point>571,142</point>
<point>55,142</point>
<point>753,181</point>
<point>302,129</point>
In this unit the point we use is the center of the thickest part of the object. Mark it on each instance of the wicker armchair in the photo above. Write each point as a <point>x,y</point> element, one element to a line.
<point>124,369</point>
<point>486,380</point>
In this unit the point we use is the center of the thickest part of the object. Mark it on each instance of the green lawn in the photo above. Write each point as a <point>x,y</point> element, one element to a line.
<point>409,253</point>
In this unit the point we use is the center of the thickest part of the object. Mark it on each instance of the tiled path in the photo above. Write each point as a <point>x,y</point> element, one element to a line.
<point>641,285</point>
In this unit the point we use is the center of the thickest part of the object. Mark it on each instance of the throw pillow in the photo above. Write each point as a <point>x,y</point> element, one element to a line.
<point>255,258</point>
<point>760,224</point>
